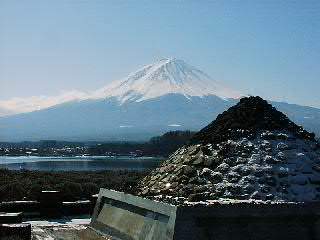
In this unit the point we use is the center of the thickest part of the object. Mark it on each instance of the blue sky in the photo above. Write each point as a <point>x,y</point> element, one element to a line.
<point>268,48</point>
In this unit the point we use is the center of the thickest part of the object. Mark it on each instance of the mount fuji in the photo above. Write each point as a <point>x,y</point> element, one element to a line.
<point>167,95</point>
<point>168,76</point>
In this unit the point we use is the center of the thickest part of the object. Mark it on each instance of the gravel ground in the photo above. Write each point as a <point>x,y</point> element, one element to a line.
<point>65,232</point>
<point>65,229</point>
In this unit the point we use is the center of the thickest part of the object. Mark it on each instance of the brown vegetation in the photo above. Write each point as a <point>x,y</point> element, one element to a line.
<point>19,185</point>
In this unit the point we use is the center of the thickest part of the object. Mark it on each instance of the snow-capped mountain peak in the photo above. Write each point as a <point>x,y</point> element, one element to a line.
<point>169,75</point>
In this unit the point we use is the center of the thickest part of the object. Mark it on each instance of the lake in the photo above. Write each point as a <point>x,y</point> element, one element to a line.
<point>83,163</point>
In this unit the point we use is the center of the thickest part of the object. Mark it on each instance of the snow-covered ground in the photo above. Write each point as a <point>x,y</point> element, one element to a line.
<point>61,222</point>
<point>64,228</point>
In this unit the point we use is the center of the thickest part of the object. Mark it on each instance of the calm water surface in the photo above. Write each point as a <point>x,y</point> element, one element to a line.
<point>87,163</point>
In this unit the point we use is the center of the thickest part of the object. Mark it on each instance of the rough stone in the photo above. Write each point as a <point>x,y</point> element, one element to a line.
<point>208,161</point>
<point>223,167</point>
<point>265,188</point>
<point>314,179</point>
<point>316,168</point>
<point>268,136</point>
<point>194,150</point>
<point>189,171</point>
<point>270,160</point>
<point>215,177</point>
<point>196,197</point>
<point>250,151</point>
<point>248,179</point>
<point>271,181</point>
<point>256,195</point>
<point>281,156</point>
<point>248,188</point>
<point>241,160</point>
<point>234,189</point>
<point>300,180</point>
<point>282,136</point>
<point>269,197</point>
<point>282,146</point>
<point>199,160</point>
<point>233,177</point>
<point>258,172</point>
<point>255,159</point>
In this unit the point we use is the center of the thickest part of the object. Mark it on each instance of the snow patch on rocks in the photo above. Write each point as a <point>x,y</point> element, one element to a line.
<point>280,168</point>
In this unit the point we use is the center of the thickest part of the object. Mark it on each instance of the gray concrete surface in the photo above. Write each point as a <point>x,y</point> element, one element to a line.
<point>129,217</point>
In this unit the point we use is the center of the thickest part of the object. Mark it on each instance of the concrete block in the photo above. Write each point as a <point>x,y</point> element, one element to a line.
<point>11,217</point>
<point>19,206</point>
<point>77,207</point>
<point>50,203</point>
<point>50,199</point>
<point>15,231</point>
<point>128,217</point>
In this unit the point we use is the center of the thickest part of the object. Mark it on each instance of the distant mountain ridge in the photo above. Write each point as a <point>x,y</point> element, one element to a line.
<point>106,119</point>
<point>165,96</point>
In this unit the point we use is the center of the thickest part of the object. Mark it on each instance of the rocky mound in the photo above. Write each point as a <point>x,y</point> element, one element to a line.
<point>251,151</point>
<point>250,115</point>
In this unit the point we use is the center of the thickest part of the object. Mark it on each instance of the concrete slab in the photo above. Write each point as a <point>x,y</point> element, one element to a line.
<point>20,231</point>
<point>10,217</point>
<point>128,217</point>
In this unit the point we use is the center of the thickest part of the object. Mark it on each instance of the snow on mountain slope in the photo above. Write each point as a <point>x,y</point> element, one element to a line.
<point>165,77</point>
